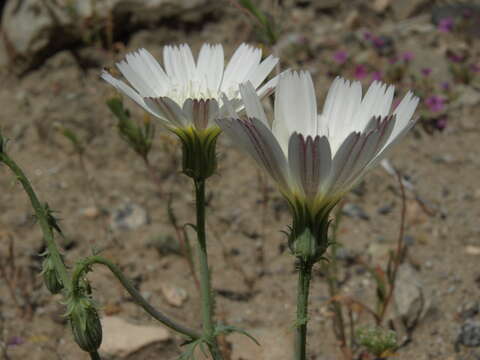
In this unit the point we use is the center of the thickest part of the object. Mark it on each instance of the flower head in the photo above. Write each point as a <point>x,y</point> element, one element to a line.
<point>376,75</point>
<point>340,57</point>
<point>435,103</point>
<point>360,72</point>
<point>408,56</point>
<point>316,158</point>
<point>184,93</point>
<point>446,24</point>
<point>426,71</point>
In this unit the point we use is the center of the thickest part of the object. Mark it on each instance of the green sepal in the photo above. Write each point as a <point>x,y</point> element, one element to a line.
<point>308,235</point>
<point>199,157</point>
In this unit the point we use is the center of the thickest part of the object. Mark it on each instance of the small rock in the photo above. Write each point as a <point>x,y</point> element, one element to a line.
<point>469,334</point>
<point>404,9</point>
<point>355,211</point>
<point>121,338</point>
<point>386,209</point>
<point>469,96</point>
<point>174,295</point>
<point>472,250</point>
<point>380,6</point>
<point>90,212</point>
<point>379,251</point>
<point>411,298</point>
<point>128,216</point>
<point>469,310</point>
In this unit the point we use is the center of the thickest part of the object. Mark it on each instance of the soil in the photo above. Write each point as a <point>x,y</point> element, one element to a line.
<point>246,215</point>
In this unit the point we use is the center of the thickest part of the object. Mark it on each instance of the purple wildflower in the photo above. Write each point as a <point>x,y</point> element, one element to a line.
<point>445,24</point>
<point>445,86</point>
<point>440,123</point>
<point>408,56</point>
<point>376,75</point>
<point>455,57</point>
<point>378,42</point>
<point>435,103</point>
<point>360,72</point>
<point>340,57</point>
<point>426,71</point>
<point>15,341</point>
<point>393,60</point>
<point>475,68</point>
<point>367,35</point>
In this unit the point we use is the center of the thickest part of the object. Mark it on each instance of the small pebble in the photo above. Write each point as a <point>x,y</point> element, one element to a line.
<point>469,334</point>
<point>174,295</point>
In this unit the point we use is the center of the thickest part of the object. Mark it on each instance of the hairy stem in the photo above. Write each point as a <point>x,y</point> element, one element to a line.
<point>42,218</point>
<point>84,266</point>
<point>205,285</point>
<point>304,277</point>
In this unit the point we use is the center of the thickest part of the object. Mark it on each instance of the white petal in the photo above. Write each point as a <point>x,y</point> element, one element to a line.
<point>201,112</point>
<point>341,164</point>
<point>259,73</point>
<point>244,59</point>
<point>342,104</point>
<point>210,65</point>
<point>135,79</point>
<point>179,63</point>
<point>227,110</point>
<point>132,94</point>
<point>404,113</point>
<point>252,102</point>
<point>159,76</point>
<point>310,163</point>
<point>376,103</point>
<point>256,139</point>
<point>169,110</point>
<point>269,87</point>
<point>295,107</point>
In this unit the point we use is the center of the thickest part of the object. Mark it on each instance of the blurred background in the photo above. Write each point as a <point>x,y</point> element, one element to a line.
<point>53,110</point>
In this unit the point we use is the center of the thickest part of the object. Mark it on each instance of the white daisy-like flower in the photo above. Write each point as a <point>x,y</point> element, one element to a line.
<point>184,93</point>
<point>316,158</point>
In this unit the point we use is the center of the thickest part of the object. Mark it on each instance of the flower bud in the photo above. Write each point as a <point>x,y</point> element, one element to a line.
<point>50,276</point>
<point>85,323</point>
<point>199,151</point>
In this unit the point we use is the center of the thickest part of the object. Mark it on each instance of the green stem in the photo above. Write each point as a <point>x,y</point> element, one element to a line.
<point>205,285</point>
<point>42,218</point>
<point>84,266</point>
<point>95,356</point>
<point>304,277</point>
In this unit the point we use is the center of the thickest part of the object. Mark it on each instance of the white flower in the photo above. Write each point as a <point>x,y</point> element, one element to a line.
<point>184,93</point>
<point>316,158</point>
